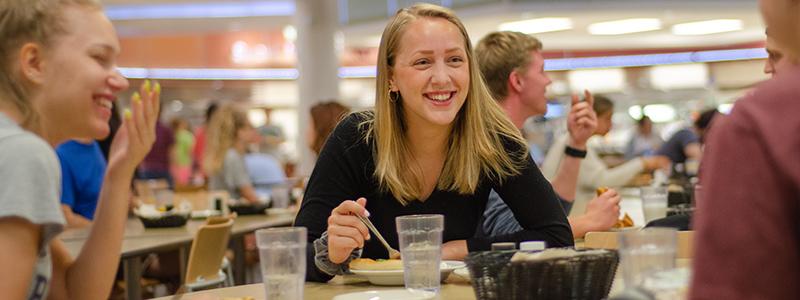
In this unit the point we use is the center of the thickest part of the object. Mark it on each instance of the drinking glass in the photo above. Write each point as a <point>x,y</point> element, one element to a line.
<point>421,250</point>
<point>643,252</point>
<point>654,203</point>
<point>282,252</point>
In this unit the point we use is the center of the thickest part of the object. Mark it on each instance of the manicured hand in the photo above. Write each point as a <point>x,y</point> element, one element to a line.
<point>137,133</point>
<point>345,230</point>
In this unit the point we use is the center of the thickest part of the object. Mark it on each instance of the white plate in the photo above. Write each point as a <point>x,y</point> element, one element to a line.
<point>386,295</point>
<point>395,277</point>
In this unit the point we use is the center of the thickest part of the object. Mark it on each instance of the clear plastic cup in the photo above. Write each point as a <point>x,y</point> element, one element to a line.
<point>644,252</point>
<point>654,203</point>
<point>282,252</point>
<point>421,248</point>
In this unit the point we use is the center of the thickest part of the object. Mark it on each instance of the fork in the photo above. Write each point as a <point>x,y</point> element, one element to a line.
<point>393,254</point>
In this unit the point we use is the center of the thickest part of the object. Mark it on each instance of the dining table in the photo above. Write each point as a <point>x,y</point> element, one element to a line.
<point>138,242</point>
<point>454,287</point>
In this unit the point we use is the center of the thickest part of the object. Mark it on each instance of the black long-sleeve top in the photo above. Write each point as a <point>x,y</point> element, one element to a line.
<point>344,171</point>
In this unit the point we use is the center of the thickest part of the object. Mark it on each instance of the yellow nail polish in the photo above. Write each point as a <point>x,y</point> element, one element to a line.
<point>127,113</point>
<point>147,85</point>
<point>157,88</point>
<point>136,98</point>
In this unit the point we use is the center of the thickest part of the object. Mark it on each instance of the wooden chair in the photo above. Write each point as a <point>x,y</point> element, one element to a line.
<point>610,240</point>
<point>205,257</point>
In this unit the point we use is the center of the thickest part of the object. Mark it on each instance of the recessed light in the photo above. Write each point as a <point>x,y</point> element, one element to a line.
<point>538,25</point>
<point>625,26</point>
<point>707,27</point>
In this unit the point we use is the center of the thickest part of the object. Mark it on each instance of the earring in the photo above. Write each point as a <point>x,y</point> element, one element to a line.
<point>393,96</point>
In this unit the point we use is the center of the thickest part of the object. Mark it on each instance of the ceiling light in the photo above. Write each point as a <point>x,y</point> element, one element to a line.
<point>597,80</point>
<point>660,113</point>
<point>200,10</point>
<point>682,76</point>
<point>562,64</point>
<point>289,33</point>
<point>625,26</point>
<point>538,25</point>
<point>635,112</point>
<point>707,27</point>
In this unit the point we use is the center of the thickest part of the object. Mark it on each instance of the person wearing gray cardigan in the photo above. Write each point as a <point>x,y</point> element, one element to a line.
<point>593,171</point>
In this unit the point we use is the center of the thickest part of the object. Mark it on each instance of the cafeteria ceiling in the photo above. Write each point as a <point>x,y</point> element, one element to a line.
<point>484,18</point>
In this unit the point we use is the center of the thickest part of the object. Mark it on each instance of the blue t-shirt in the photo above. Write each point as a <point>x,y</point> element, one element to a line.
<point>265,171</point>
<point>673,148</point>
<point>82,170</point>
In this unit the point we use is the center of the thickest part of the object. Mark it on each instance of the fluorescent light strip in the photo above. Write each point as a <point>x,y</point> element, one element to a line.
<point>563,64</point>
<point>625,26</point>
<point>200,10</point>
<point>211,74</point>
<point>707,27</point>
<point>559,64</point>
<point>358,72</point>
<point>538,25</point>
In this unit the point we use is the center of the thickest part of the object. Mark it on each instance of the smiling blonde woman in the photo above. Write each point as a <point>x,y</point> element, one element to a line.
<point>436,144</point>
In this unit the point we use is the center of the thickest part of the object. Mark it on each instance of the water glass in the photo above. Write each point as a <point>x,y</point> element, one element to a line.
<point>421,249</point>
<point>282,252</point>
<point>644,252</point>
<point>164,198</point>
<point>280,196</point>
<point>654,203</point>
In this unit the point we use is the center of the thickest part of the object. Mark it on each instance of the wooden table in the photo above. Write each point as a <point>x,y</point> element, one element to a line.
<point>313,290</point>
<point>138,242</point>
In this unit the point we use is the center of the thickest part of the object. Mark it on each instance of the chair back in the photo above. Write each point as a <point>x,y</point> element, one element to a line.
<point>610,240</point>
<point>208,249</point>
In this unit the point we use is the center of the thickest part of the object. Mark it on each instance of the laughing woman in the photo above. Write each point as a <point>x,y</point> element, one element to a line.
<point>437,143</point>
<point>58,77</point>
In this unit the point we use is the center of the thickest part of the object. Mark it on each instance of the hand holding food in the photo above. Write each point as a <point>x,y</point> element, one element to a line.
<point>602,212</point>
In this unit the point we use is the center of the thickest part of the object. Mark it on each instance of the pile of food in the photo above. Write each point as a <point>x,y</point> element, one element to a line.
<point>379,264</point>
<point>625,222</point>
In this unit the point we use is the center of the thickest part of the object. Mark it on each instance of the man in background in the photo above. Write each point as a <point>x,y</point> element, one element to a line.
<point>513,67</point>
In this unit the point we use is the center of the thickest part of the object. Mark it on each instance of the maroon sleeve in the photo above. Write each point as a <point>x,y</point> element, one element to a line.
<point>746,243</point>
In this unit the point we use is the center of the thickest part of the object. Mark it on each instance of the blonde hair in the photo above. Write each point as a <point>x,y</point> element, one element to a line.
<point>502,52</point>
<point>221,135</point>
<point>28,21</point>
<point>479,135</point>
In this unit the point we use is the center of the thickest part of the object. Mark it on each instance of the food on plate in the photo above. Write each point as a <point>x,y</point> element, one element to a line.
<point>601,190</point>
<point>625,222</point>
<point>379,264</point>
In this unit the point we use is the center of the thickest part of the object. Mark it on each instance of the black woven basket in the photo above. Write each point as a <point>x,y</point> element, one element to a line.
<point>494,276</point>
<point>249,209</point>
<point>171,220</point>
